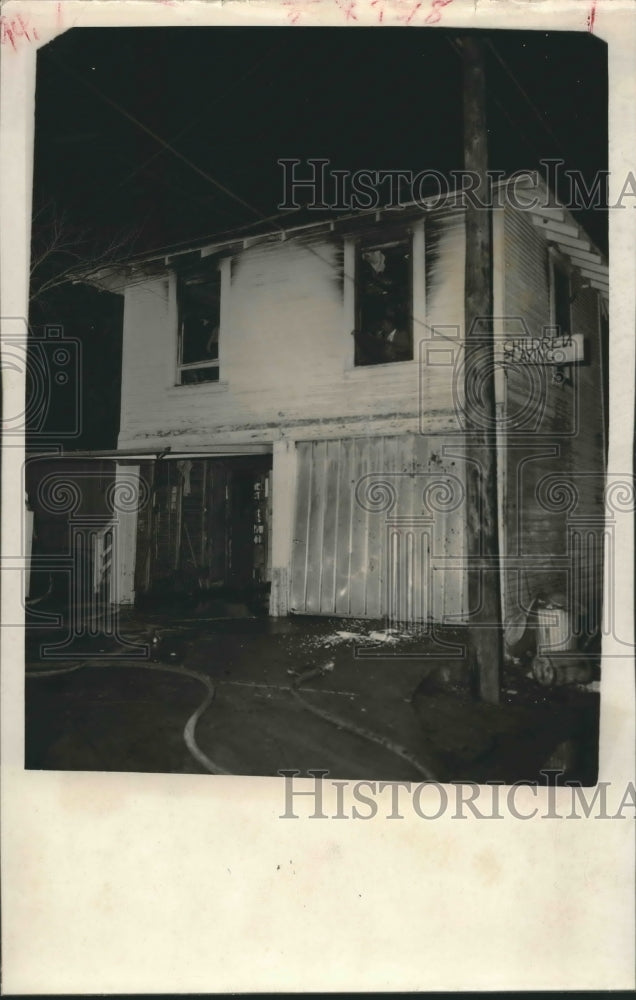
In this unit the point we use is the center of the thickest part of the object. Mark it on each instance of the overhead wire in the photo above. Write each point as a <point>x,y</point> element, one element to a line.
<point>536,112</point>
<point>167,146</point>
<point>157,138</point>
<point>491,94</point>
<point>215,100</point>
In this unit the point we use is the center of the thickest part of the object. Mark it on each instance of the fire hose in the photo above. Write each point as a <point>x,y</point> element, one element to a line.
<point>189,731</point>
<point>351,727</point>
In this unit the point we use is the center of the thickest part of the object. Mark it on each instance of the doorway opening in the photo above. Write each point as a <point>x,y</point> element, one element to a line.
<point>205,533</point>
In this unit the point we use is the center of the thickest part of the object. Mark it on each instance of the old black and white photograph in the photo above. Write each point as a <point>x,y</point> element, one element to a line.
<point>318,398</point>
<point>313,479</point>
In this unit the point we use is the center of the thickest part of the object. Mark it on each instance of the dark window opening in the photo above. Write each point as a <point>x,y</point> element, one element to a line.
<point>384,328</point>
<point>561,293</point>
<point>199,301</point>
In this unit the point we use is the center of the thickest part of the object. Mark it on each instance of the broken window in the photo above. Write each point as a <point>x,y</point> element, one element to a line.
<point>199,303</point>
<point>384,329</point>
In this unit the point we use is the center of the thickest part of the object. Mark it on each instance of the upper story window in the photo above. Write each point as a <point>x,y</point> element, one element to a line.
<point>561,298</point>
<point>384,290</point>
<point>199,305</point>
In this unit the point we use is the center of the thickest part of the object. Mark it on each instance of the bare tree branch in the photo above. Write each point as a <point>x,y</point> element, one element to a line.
<point>59,248</point>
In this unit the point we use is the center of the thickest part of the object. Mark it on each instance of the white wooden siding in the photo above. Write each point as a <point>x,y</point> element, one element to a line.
<point>285,353</point>
<point>379,530</point>
<point>567,440</point>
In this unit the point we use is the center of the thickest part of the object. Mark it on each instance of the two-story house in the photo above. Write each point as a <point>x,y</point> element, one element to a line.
<point>293,400</point>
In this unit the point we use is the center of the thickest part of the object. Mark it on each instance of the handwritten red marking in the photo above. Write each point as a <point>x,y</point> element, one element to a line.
<point>591,17</point>
<point>407,17</point>
<point>297,7</point>
<point>293,14</point>
<point>407,11</point>
<point>404,11</point>
<point>435,15</point>
<point>6,34</point>
<point>14,28</point>
<point>348,9</point>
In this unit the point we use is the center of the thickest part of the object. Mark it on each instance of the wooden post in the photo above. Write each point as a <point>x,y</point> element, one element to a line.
<point>283,513</point>
<point>481,467</point>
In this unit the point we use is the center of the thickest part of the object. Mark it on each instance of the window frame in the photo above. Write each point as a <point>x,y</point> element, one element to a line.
<point>559,264</point>
<point>376,239</point>
<point>203,267</point>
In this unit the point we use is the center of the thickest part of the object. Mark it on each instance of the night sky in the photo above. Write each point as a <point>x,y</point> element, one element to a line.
<point>232,102</point>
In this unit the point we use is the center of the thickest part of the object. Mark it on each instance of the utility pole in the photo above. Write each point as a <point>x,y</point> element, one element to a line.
<point>486,631</point>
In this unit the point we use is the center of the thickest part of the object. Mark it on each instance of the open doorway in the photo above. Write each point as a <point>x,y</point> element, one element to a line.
<point>206,531</point>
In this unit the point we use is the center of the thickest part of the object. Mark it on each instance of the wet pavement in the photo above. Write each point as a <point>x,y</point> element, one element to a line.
<point>344,696</point>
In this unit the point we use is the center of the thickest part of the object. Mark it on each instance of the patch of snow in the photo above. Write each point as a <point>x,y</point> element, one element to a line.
<point>341,635</point>
<point>386,635</point>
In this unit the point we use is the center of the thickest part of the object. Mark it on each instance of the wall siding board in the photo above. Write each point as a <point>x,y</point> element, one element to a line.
<point>299,567</point>
<point>408,574</point>
<point>343,515</point>
<point>351,560</point>
<point>571,422</point>
<point>316,526</point>
<point>360,533</point>
<point>374,546</point>
<point>588,460</point>
<point>330,523</point>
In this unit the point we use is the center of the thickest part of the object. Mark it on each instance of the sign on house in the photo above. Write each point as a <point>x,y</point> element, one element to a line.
<point>551,348</point>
